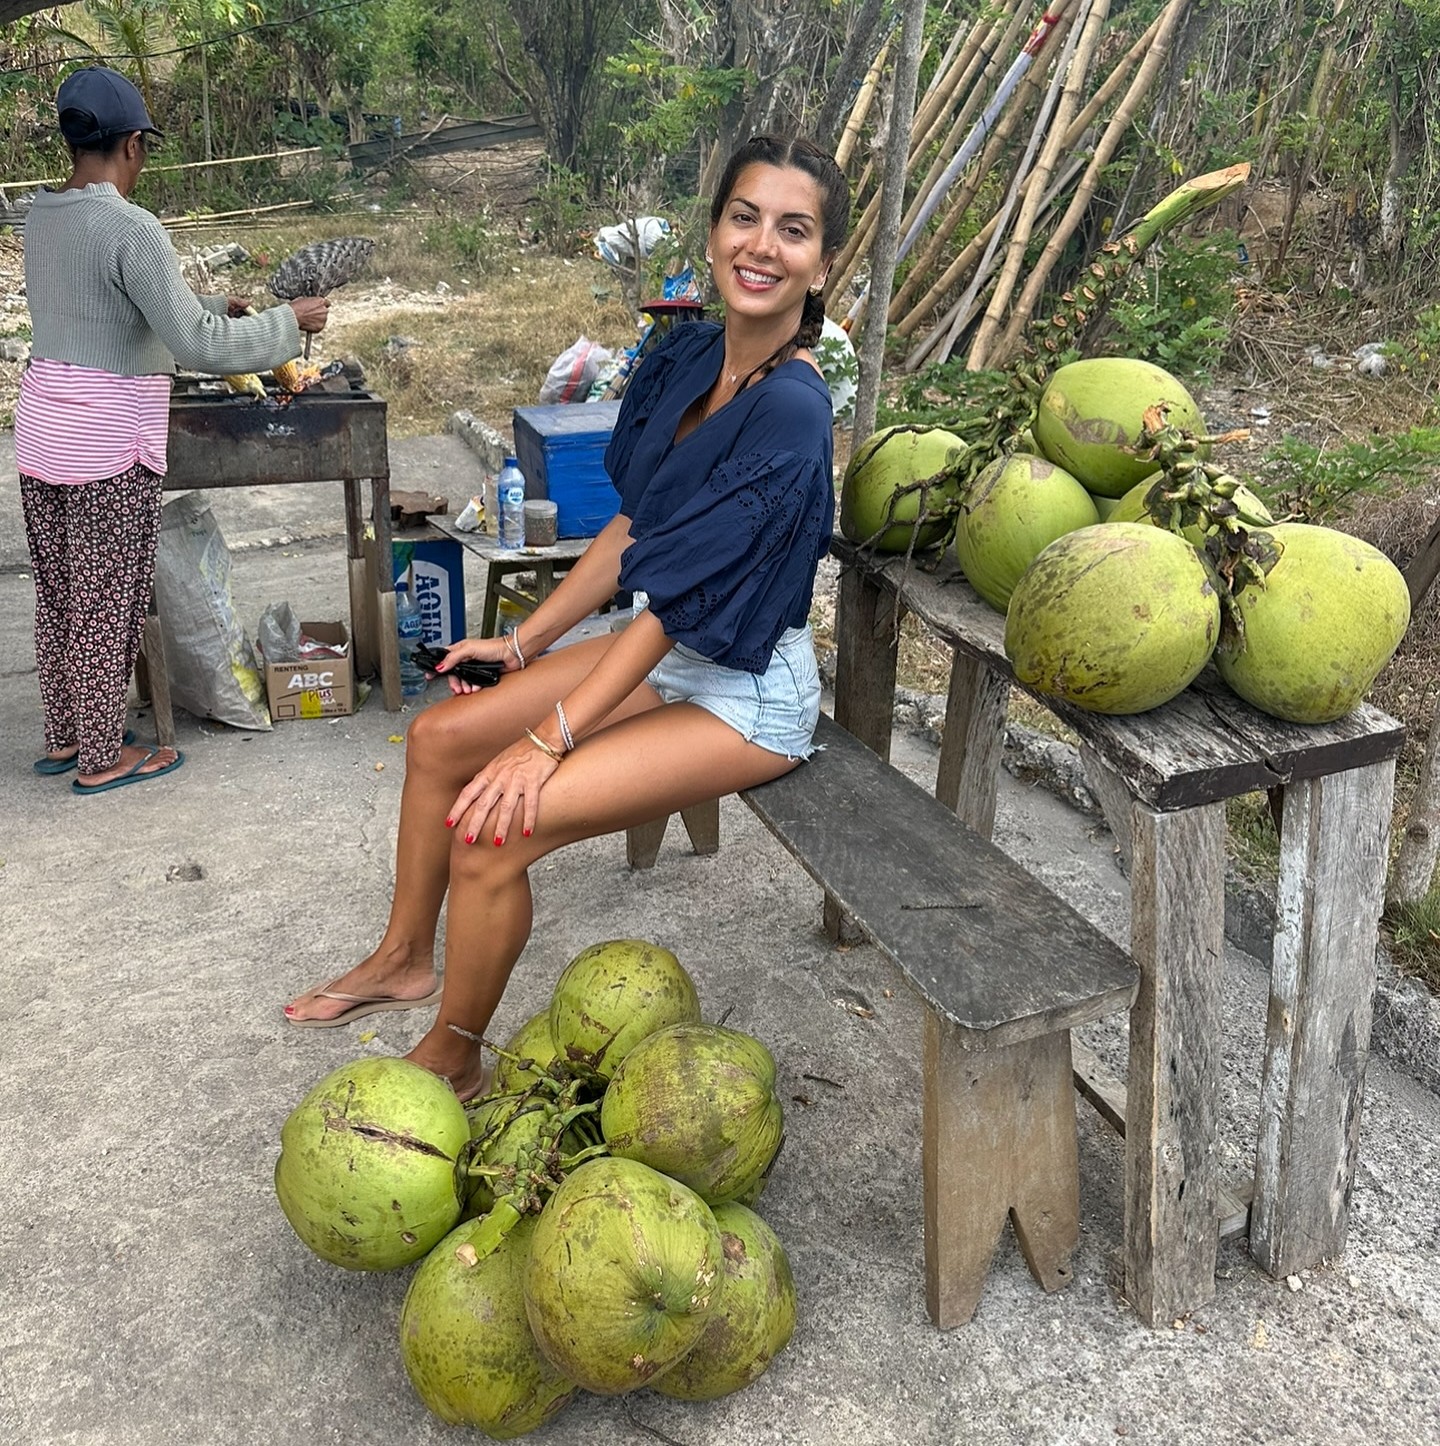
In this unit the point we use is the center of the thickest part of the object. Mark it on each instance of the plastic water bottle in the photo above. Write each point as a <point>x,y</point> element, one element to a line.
<point>512,505</point>
<point>407,625</point>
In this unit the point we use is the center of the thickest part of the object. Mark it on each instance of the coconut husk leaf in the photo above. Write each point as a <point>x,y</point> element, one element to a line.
<point>317,269</point>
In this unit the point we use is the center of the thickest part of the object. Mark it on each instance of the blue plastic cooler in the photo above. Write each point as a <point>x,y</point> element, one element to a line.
<point>561,451</point>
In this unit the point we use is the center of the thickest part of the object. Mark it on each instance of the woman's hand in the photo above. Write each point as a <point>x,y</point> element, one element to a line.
<point>311,312</point>
<point>511,781</point>
<point>481,650</point>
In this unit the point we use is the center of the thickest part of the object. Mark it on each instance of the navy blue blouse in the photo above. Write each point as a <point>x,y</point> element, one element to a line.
<point>730,524</point>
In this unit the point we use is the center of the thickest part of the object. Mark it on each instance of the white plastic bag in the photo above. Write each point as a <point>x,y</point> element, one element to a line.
<point>615,245</point>
<point>572,372</point>
<point>208,658</point>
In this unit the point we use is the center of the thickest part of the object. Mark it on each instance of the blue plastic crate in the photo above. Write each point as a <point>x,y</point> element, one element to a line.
<point>561,451</point>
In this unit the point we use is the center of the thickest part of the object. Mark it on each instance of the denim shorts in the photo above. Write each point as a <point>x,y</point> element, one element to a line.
<point>778,709</point>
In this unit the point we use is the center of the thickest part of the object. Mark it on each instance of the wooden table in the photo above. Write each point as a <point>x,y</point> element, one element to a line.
<point>1162,779</point>
<point>547,563</point>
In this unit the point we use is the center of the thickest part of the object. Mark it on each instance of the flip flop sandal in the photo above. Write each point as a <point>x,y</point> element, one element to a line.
<point>361,1005</point>
<point>131,774</point>
<point>51,766</point>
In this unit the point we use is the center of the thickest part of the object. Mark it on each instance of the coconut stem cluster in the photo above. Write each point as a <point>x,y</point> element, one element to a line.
<point>1193,493</point>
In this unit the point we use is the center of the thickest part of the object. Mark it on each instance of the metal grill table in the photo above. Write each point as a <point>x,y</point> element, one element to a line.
<point>322,435</point>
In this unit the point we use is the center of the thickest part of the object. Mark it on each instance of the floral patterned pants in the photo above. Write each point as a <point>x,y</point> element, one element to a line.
<point>92,548</point>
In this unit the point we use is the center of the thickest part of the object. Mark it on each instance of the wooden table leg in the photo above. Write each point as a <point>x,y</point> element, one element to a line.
<point>157,679</point>
<point>386,638</point>
<point>1177,937</point>
<point>867,653</point>
<point>1333,850</point>
<point>364,638</point>
<point>973,743</point>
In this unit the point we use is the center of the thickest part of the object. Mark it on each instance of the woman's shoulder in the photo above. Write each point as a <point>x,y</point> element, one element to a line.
<point>794,399</point>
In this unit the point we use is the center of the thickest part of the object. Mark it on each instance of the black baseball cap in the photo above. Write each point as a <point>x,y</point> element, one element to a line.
<point>96,103</point>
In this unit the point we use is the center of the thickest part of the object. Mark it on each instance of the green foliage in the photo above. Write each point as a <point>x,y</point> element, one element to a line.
<point>941,395</point>
<point>561,212</point>
<point>1414,934</point>
<point>469,240</point>
<point>670,102</point>
<point>1316,484</point>
<point>1251,841</point>
<point>1174,311</point>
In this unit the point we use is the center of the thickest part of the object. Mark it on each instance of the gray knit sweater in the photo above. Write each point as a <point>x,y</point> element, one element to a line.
<point>104,287</point>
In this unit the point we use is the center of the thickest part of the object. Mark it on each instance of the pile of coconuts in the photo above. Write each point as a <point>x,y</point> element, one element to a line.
<point>1125,561</point>
<point>587,1224</point>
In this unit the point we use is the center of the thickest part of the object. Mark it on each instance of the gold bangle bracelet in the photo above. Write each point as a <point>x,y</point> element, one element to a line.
<point>543,746</point>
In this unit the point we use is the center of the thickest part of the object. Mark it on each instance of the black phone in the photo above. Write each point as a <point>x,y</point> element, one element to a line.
<point>468,670</point>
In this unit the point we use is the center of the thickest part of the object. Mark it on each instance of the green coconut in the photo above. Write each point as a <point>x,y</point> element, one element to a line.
<point>530,1042</point>
<point>624,1271</point>
<point>1131,508</point>
<point>610,996</point>
<point>1115,618</point>
<point>1092,410</point>
<point>1015,507</point>
<point>367,1168</point>
<point>753,1320</point>
<point>1330,616</point>
<point>698,1102</point>
<point>888,461</point>
<point>466,1341</point>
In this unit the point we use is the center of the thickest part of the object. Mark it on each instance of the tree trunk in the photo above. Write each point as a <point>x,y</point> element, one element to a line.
<point>1420,843</point>
<point>850,68</point>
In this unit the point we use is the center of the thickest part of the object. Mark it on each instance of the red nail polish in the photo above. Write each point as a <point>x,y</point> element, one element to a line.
<point>469,838</point>
<point>498,840</point>
<point>526,832</point>
<point>449,823</point>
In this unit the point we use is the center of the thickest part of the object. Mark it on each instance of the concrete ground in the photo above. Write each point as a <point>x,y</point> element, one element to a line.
<point>153,1293</point>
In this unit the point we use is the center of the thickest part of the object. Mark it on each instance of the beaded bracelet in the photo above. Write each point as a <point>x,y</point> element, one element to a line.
<point>543,746</point>
<point>565,732</point>
<point>512,641</point>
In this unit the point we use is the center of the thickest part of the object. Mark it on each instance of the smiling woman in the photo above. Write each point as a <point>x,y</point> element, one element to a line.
<point>722,459</point>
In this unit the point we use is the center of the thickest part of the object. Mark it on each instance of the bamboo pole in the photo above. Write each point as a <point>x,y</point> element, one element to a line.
<point>863,101</point>
<point>1043,116</point>
<point>846,265</point>
<point>1170,20</point>
<point>992,47</point>
<point>995,148</point>
<point>961,266</point>
<point>1072,79</point>
<point>902,108</point>
<point>908,321</point>
<point>860,240</point>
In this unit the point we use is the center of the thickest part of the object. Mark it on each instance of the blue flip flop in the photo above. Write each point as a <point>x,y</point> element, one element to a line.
<point>52,766</point>
<point>131,775</point>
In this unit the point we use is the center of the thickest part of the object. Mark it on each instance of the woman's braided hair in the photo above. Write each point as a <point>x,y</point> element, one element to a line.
<point>819,165</point>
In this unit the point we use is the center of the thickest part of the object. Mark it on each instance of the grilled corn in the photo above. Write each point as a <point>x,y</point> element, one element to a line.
<point>248,383</point>
<point>291,376</point>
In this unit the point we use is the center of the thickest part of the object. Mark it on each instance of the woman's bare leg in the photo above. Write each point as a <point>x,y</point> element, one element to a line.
<point>654,762</point>
<point>446,746</point>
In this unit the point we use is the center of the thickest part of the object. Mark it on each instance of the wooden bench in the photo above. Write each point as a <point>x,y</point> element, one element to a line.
<point>1162,779</point>
<point>1006,970</point>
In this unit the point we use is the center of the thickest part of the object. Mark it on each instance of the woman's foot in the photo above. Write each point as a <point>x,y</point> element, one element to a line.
<point>396,983</point>
<point>456,1059</point>
<point>151,760</point>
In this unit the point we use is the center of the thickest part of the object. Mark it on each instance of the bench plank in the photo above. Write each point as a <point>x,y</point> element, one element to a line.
<point>991,950</point>
<point>1201,747</point>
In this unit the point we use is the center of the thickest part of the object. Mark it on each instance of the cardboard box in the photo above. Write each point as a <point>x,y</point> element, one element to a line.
<point>319,688</point>
<point>438,585</point>
<point>561,451</point>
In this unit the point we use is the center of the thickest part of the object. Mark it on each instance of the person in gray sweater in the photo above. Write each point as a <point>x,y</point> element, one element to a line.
<point>111,318</point>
